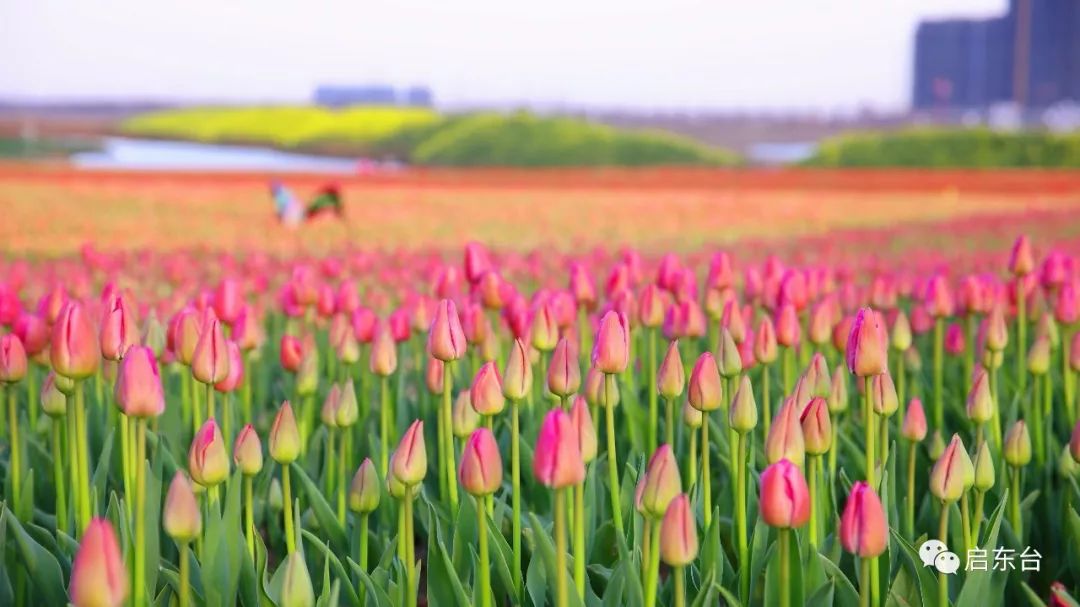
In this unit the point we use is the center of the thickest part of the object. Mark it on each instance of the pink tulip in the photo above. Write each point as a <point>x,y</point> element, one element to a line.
<point>98,575</point>
<point>481,469</point>
<point>785,499</point>
<point>12,359</point>
<point>611,351</point>
<point>138,389</point>
<point>866,346</point>
<point>74,351</point>
<point>210,363</point>
<point>557,461</point>
<point>446,339</point>
<point>864,531</point>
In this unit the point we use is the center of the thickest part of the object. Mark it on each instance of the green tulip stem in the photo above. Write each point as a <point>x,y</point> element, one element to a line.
<point>384,425</point>
<point>286,492</point>
<point>249,516</point>
<point>901,386</point>
<point>246,389</point>
<point>1021,338</point>
<point>329,461</point>
<point>126,456</point>
<point>653,412</point>
<point>939,373</point>
<point>448,453</point>
<point>691,462</point>
<point>1015,516</point>
<point>73,465</point>
<point>965,522</point>
<point>766,403</point>
<point>909,504</point>
<point>669,423</point>
<point>706,475</point>
<point>343,452</point>
<point>969,350</point>
<point>883,439</point>
<point>943,535</point>
<point>864,582</point>
<point>868,425</point>
<point>58,475</point>
<point>515,495</point>
<point>410,548</point>
<point>185,575</point>
<point>363,553</point>
<point>561,590</point>
<point>811,473</point>
<point>211,404</point>
<point>785,567</point>
<point>646,545</point>
<point>680,587</point>
<point>653,577</point>
<point>1036,411</point>
<point>84,458</point>
<point>16,449</point>
<point>977,516</point>
<point>613,465</point>
<point>139,594</point>
<point>740,519</point>
<point>787,369</point>
<point>485,569</point>
<point>579,539</point>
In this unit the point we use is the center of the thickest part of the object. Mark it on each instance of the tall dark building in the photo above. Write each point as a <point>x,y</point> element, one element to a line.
<point>1030,55</point>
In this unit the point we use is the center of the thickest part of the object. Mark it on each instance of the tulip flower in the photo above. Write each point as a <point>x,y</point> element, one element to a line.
<point>980,403</point>
<point>465,419</point>
<point>98,575</point>
<point>364,495</point>
<point>292,352</point>
<point>74,350</point>
<point>408,466</point>
<point>284,449</point>
<point>785,439</point>
<point>865,346</point>
<point>678,542</point>
<point>13,370</point>
<point>705,394</point>
<point>1017,452</point>
<point>728,359</point>
<point>564,374</point>
<point>557,464</point>
<point>658,487</point>
<point>516,387</point>
<point>248,457</point>
<point>119,330</point>
<point>486,394</point>
<point>481,475</point>
<point>784,504</point>
<point>670,382</point>
<point>181,517</point>
<point>985,477</point>
<point>599,392</point>
<point>611,351</point>
<point>446,340</point>
<point>864,532</point>
<point>208,458</point>
<point>1074,443</point>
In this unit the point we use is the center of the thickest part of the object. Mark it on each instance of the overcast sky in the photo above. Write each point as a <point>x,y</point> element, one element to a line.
<point>659,54</point>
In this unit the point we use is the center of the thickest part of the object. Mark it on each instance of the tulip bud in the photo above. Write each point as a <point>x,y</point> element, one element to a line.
<point>816,426</point>
<point>481,469</point>
<point>864,531</point>
<point>564,375</point>
<point>997,330</point>
<point>53,401</point>
<point>838,392</point>
<point>901,332</point>
<point>364,490</point>
<point>544,330</point>
<point>1021,259</point>
<point>984,468</point>
<point>1038,358</point>
<point>671,377</point>
<point>1067,466</point>
<point>486,394</point>
<point>583,424</point>
<point>937,446</point>
<point>865,347</point>
<point>246,331</point>
<point>208,460</point>
<point>292,353</point>
<point>12,359</point>
<point>662,482</point>
<point>434,376</point>
<point>210,362</point>
<point>348,411</point>
<point>980,403</point>
<point>464,418</point>
<point>784,500</point>
<point>235,377</point>
<point>383,358</point>
<point>820,327</point>
<point>611,352</point>
<point>1017,447</point>
<point>181,518</point>
<point>247,451</point>
<point>743,414</point>
<point>914,426</point>
<point>138,389</point>
<point>949,473</point>
<point>119,330</point>
<point>557,461</point>
<point>518,382</point>
<point>409,463</point>
<point>728,359</point>
<point>817,376</point>
<point>678,533</point>
<point>691,416</point>
<point>74,350</point>
<point>446,339</point>
<point>275,499</point>
<point>765,347</point>
<point>98,575</point>
<point>883,395</point>
<point>705,392</point>
<point>284,436</point>
<point>785,439</point>
<point>599,392</point>
<point>1074,444</point>
<point>296,590</point>
<point>651,307</point>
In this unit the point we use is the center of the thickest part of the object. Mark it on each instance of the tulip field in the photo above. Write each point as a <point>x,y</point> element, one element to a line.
<point>856,400</point>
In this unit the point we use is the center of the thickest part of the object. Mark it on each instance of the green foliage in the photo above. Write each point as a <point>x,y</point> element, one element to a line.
<point>949,148</point>
<point>423,137</point>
